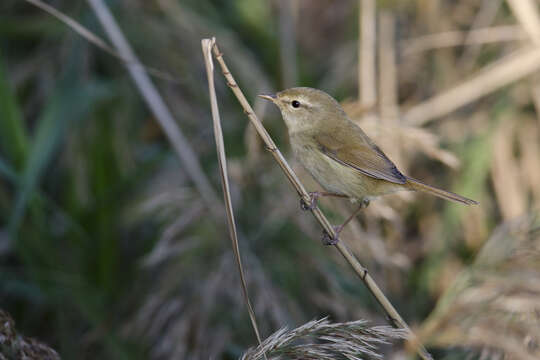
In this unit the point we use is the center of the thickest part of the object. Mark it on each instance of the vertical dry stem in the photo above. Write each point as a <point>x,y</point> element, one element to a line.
<point>536,99</point>
<point>391,313</point>
<point>526,11</point>
<point>388,87</point>
<point>366,56</point>
<point>484,18</point>
<point>222,159</point>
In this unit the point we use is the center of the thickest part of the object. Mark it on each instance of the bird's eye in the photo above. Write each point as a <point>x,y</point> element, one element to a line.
<point>295,104</point>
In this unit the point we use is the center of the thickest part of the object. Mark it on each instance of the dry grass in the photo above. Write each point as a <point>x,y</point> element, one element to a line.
<point>452,95</point>
<point>207,46</point>
<point>320,339</point>
<point>391,313</point>
<point>495,303</point>
<point>14,345</point>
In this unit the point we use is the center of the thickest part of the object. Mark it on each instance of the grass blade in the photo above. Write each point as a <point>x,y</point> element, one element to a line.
<point>13,137</point>
<point>222,160</point>
<point>69,103</point>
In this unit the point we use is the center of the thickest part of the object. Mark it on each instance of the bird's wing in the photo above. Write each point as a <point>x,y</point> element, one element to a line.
<point>361,154</point>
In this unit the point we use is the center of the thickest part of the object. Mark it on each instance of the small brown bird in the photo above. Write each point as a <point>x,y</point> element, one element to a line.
<point>339,155</point>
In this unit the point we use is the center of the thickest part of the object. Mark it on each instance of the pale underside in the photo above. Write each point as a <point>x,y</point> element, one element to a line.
<point>342,179</point>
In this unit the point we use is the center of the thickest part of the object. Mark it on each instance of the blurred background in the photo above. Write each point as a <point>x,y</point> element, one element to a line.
<point>113,243</point>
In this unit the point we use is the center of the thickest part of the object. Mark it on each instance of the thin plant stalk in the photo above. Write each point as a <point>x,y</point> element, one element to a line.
<point>473,38</point>
<point>367,52</point>
<point>493,77</point>
<point>222,160</point>
<point>388,87</point>
<point>484,18</point>
<point>393,316</point>
<point>96,40</point>
<point>526,11</point>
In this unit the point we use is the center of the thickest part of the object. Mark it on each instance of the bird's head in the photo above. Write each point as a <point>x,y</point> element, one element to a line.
<point>303,107</point>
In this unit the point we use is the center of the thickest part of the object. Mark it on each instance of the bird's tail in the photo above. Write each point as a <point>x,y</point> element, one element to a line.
<point>414,184</point>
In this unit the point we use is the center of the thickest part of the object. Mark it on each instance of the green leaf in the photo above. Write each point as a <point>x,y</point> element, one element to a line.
<point>13,137</point>
<point>70,103</point>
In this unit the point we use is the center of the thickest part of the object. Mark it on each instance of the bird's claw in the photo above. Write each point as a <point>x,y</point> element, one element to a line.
<point>305,205</point>
<point>312,203</point>
<point>365,203</point>
<point>329,240</point>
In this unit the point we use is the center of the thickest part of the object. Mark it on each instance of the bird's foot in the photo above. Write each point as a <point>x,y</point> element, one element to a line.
<point>327,239</point>
<point>364,203</point>
<point>313,196</point>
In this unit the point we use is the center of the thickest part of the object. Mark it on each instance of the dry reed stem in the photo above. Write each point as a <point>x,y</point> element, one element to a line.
<point>222,160</point>
<point>393,316</point>
<point>366,57</point>
<point>526,12</point>
<point>446,39</point>
<point>388,87</point>
<point>507,182</point>
<point>536,99</point>
<point>493,77</point>
<point>388,90</point>
<point>159,108</point>
<point>529,148</point>
<point>484,18</point>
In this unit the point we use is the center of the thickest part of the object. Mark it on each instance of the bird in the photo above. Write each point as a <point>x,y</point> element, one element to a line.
<point>339,155</point>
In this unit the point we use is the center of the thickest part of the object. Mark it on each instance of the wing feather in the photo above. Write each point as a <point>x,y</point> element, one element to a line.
<point>361,154</point>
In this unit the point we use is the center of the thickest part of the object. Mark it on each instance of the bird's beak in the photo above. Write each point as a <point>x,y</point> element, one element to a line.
<point>270,97</point>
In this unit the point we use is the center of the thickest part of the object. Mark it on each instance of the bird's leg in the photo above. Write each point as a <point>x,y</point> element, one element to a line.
<point>314,196</point>
<point>363,204</point>
<point>328,240</point>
